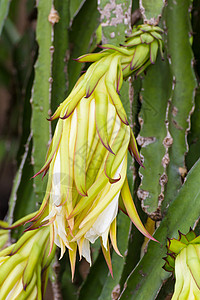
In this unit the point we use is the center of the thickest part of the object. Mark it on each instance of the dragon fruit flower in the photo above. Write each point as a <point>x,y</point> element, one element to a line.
<point>183,259</point>
<point>24,266</point>
<point>87,157</point>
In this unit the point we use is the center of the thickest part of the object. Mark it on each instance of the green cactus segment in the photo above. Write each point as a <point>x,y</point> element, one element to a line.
<point>180,54</point>
<point>22,190</point>
<point>148,276</point>
<point>93,285</point>
<point>194,135</point>
<point>151,10</point>
<point>61,45</point>
<point>156,89</point>
<point>114,20</point>
<point>74,7</point>
<point>4,8</point>
<point>40,96</point>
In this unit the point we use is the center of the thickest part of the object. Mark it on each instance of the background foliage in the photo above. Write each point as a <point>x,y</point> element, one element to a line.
<point>37,72</point>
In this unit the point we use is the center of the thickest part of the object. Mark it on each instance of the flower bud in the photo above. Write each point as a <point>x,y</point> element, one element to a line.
<point>183,258</point>
<point>23,266</point>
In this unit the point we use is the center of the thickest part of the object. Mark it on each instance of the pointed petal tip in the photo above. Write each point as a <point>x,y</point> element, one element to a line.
<point>111,272</point>
<point>38,173</point>
<point>125,212</point>
<point>119,253</point>
<point>145,232</point>
<point>111,180</point>
<point>45,172</point>
<point>65,116</point>
<point>53,117</point>
<point>180,234</point>
<point>108,147</point>
<point>102,47</point>
<point>49,119</point>
<point>89,92</point>
<point>82,191</point>
<point>153,239</point>
<point>73,277</point>
<point>140,163</point>
<point>122,45</point>
<point>24,285</point>
<point>106,144</point>
<point>118,92</point>
<point>125,121</point>
<point>50,250</point>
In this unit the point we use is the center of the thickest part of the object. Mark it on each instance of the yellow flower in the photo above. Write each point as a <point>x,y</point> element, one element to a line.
<point>183,256</point>
<point>24,266</point>
<point>87,162</point>
<point>187,273</point>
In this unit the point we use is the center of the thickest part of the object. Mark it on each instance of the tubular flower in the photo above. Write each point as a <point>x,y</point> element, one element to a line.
<point>87,157</point>
<point>183,258</point>
<point>24,266</point>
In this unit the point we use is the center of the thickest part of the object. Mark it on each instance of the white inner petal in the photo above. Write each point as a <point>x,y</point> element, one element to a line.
<point>105,238</point>
<point>102,224</point>
<point>86,251</point>
<point>60,235</point>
